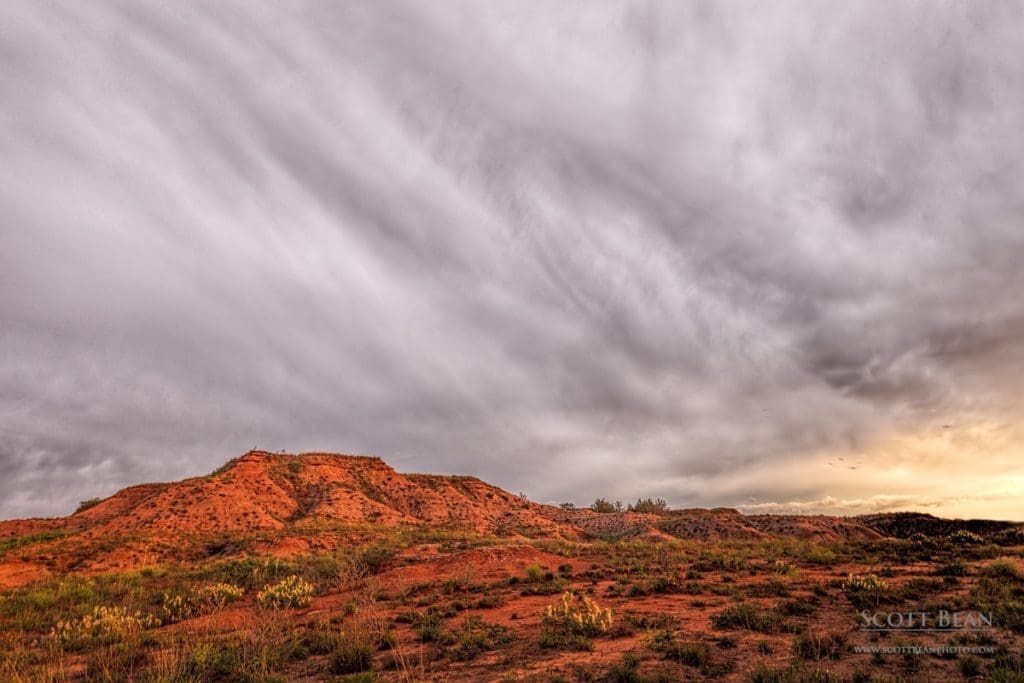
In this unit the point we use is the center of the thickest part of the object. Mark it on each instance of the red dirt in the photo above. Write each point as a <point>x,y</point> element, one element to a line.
<point>16,573</point>
<point>479,564</point>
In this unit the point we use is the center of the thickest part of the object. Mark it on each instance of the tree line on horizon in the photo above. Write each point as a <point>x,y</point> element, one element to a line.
<point>642,505</point>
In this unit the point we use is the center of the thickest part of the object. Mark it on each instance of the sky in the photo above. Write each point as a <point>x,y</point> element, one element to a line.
<point>759,255</point>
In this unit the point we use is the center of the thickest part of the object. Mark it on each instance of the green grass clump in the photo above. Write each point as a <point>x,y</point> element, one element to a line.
<point>1001,592</point>
<point>1003,569</point>
<point>9,544</point>
<point>430,627</point>
<point>749,617</point>
<point>351,656</point>
<point>476,637</point>
<point>817,645</point>
<point>773,588</point>
<point>820,556</point>
<point>455,584</point>
<point>970,666</point>
<point>212,661</point>
<point>799,607</point>
<point>957,568</point>
<point>539,582</point>
<point>625,671</point>
<point>690,654</point>
<point>376,558</point>
<point>249,572</point>
<point>534,573</point>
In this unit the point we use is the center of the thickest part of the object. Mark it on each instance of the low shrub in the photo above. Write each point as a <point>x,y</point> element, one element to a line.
<point>102,625</point>
<point>964,537</point>
<point>376,558</point>
<point>430,627</point>
<point>625,671</point>
<point>690,654</point>
<point>817,645</point>
<point>292,591</point>
<point>489,601</point>
<point>970,666</point>
<point>250,572</point>
<point>455,584</point>
<point>799,607</point>
<point>86,504</point>
<point>820,556</point>
<point>783,567</point>
<point>865,591</point>
<point>351,656</point>
<point>213,661</point>
<point>660,585</point>
<point>1001,593</point>
<point>1003,569</point>
<point>773,588</point>
<point>205,599</point>
<point>957,568</point>
<point>727,643</point>
<point>476,637</point>
<point>749,617</point>
<point>572,621</point>
<point>579,614</point>
<point>1011,537</point>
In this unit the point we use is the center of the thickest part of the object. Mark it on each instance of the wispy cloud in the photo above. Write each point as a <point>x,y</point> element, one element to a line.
<point>616,250</point>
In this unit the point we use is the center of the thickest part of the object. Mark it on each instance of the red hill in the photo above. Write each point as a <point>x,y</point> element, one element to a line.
<point>292,504</point>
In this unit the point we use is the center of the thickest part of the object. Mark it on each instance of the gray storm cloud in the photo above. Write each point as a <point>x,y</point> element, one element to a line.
<point>696,251</point>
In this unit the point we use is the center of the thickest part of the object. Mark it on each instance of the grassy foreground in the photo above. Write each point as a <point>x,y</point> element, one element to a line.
<point>415,605</point>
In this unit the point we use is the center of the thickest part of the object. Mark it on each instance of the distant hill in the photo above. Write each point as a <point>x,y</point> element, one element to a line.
<point>907,524</point>
<point>281,504</point>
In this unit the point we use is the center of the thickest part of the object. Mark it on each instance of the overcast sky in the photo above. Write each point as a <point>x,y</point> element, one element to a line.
<point>720,253</point>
